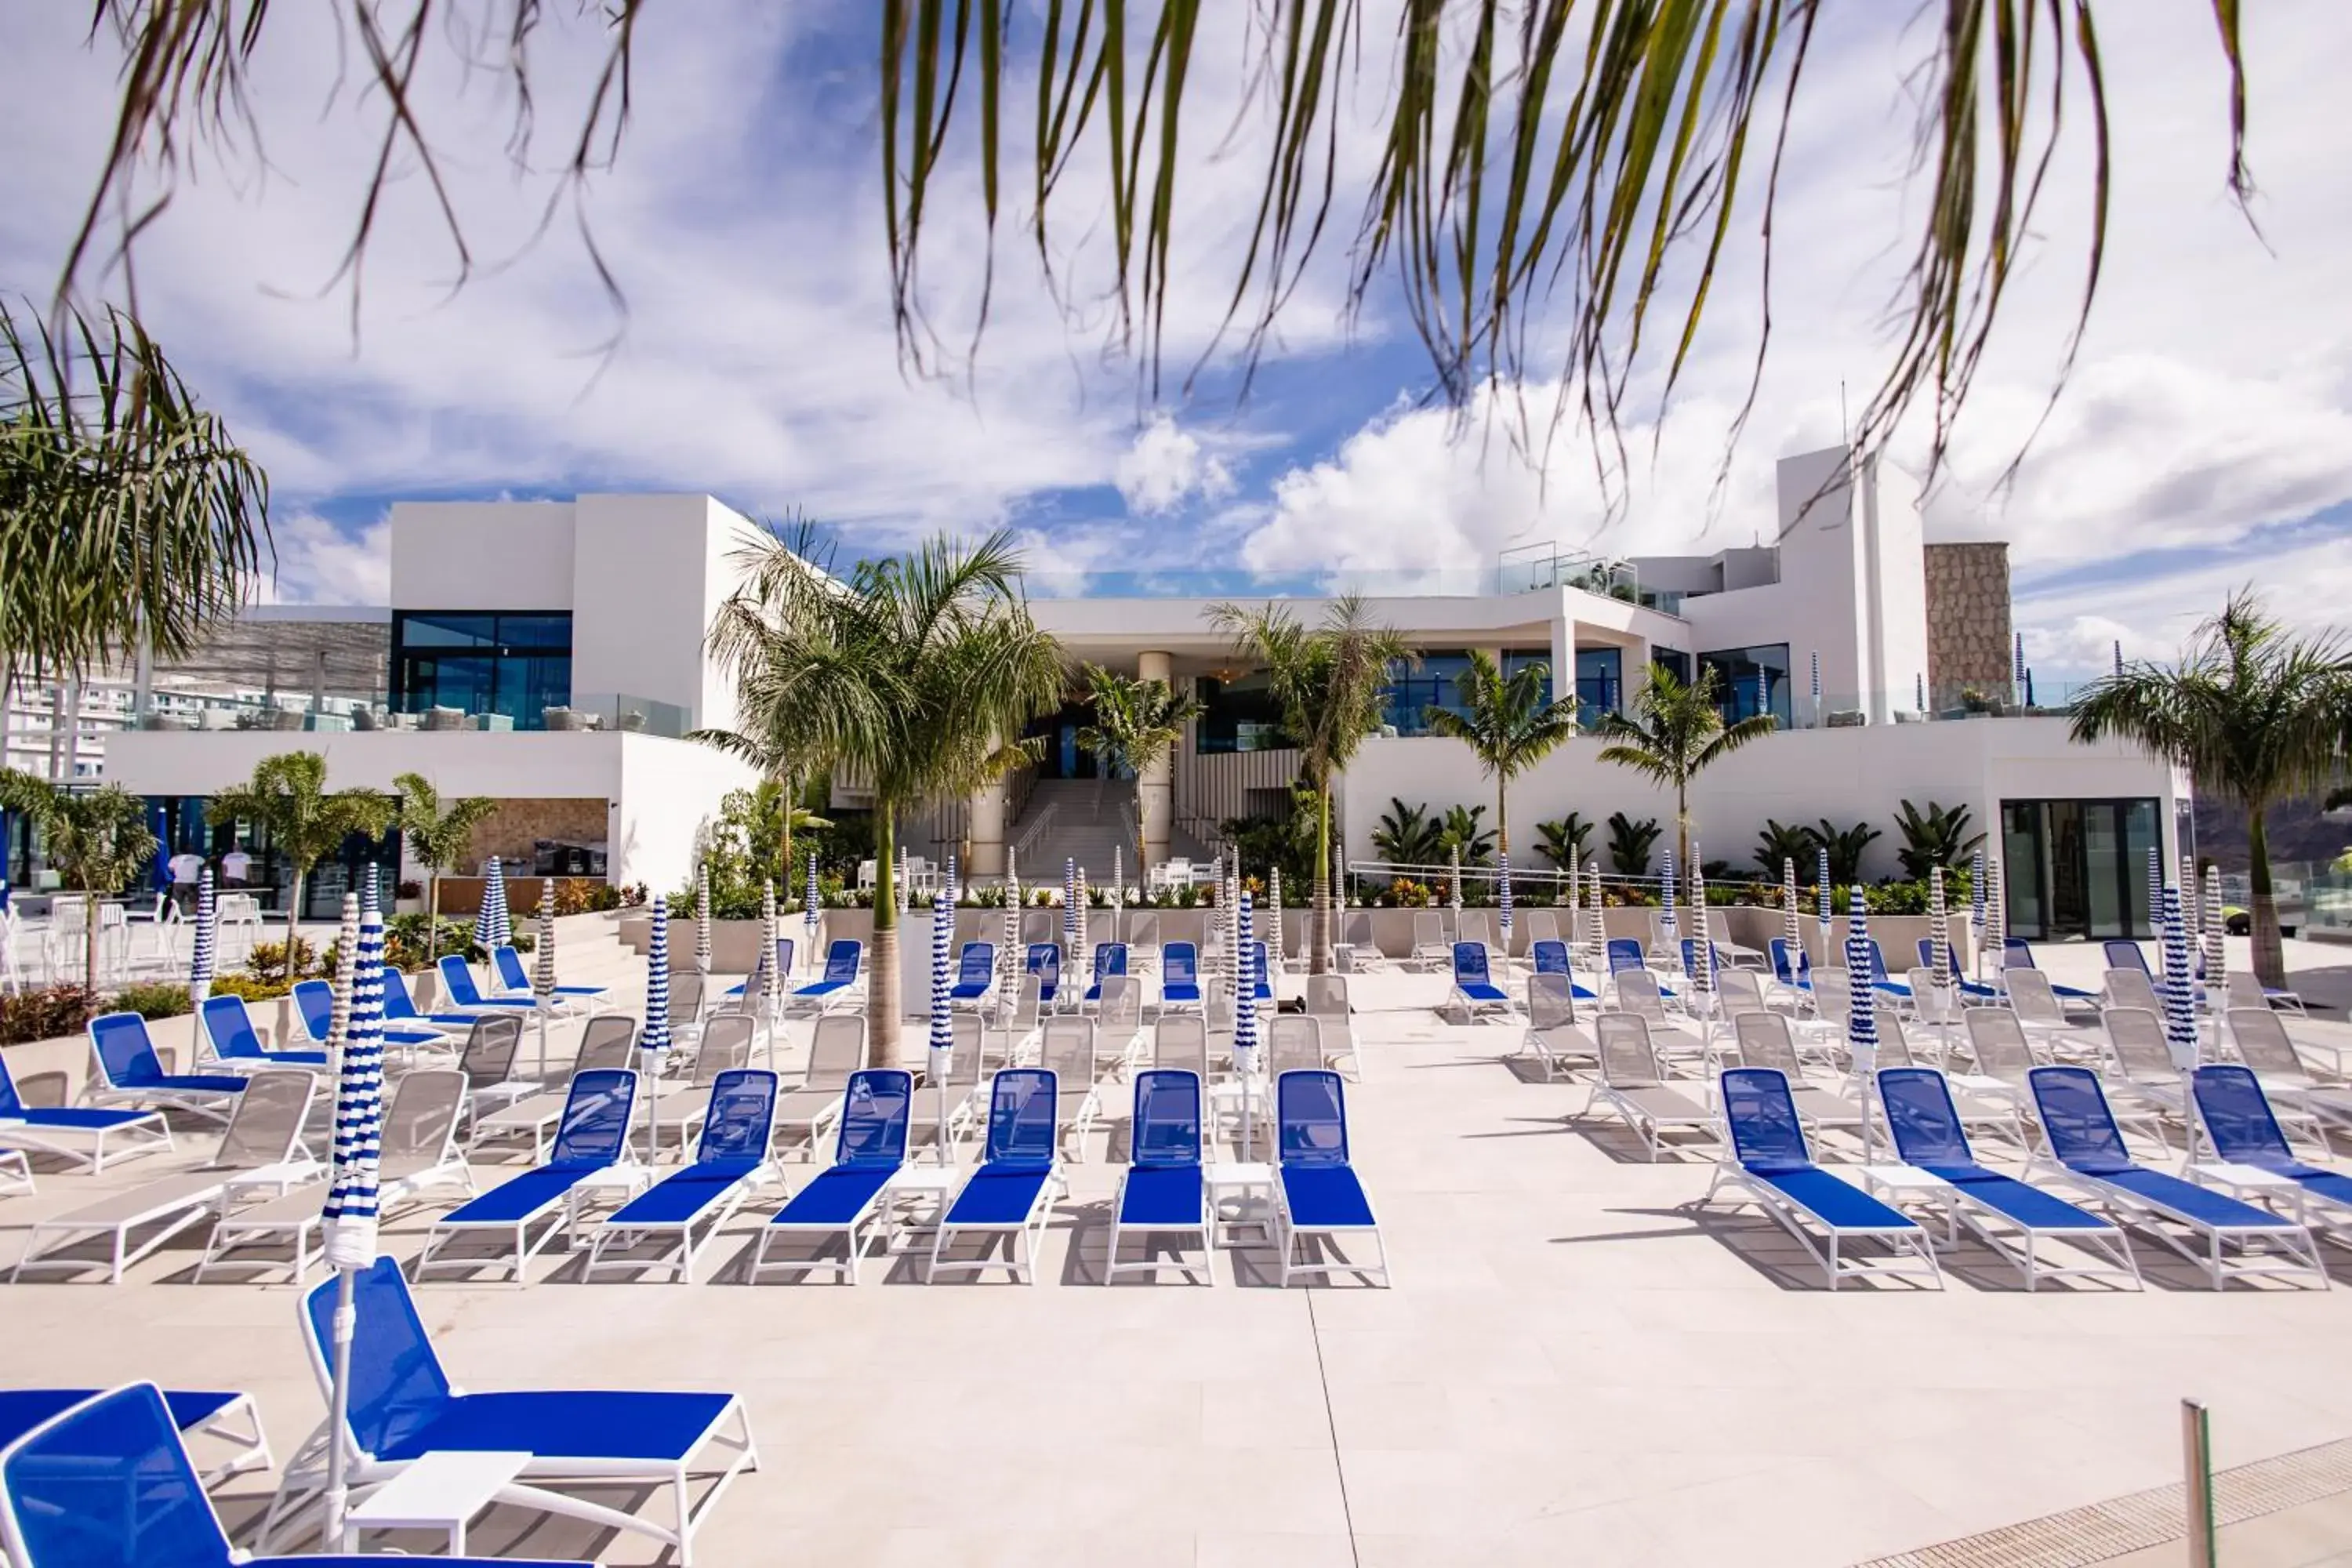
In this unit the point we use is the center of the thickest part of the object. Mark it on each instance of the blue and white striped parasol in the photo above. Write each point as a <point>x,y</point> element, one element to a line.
<point>1976,893</point>
<point>1012,961</point>
<point>492,926</point>
<point>1599,938</point>
<point>2179,986</point>
<point>200,967</point>
<point>1996,915</point>
<point>2119,658</point>
<point>1763,691</point>
<point>955,886</point>
<point>1503,895</point>
<point>1453,883</point>
<point>1821,893</point>
<point>1117,894</point>
<point>1861,1017</point>
<point>1670,930</point>
<point>764,966</point>
<point>942,1063</point>
<point>543,968</point>
<point>348,1220</point>
<point>1274,910</point>
<point>2020,661</point>
<point>656,1034</point>
<point>1081,949</point>
<point>1244,1016</point>
<point>347,969</point>
<point>2155,890</point>
<point>1069,911</point>
<point>2216,973</point>
<point>1817,686</point>
<point>1919,690</point>
<point>702,919</point>
<point>1703,972</point>
<point>809,909</point>
<point>1792,927</point>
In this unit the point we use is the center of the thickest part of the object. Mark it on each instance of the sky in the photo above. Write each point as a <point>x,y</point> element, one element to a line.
<point>2203,442</point>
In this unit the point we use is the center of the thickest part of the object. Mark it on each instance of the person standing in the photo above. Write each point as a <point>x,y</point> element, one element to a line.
<point>235,866</point>
<point>186,866</point>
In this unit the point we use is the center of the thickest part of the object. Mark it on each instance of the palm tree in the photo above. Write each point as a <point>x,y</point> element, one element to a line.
<point>2252,712</point>
<point>97,840</point>
<point>1329,682</point>
<point>129,518</point>
<point>439,836</point>
<point>908,672</point>
<point>1137,724</point>
<point>288,794</point>
<point>1589,159</point>
<point>1677,731</point>
<point>783,764</point>
<point>1507,722</point>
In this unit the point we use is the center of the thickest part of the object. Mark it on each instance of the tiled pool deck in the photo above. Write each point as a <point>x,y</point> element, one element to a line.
<point>1573,1366</point>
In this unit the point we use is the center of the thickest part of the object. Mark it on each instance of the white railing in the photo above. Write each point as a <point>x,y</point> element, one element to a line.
<point>1036,828</point>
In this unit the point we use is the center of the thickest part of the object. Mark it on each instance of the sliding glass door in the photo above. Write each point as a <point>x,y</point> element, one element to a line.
<point>2078,869</point>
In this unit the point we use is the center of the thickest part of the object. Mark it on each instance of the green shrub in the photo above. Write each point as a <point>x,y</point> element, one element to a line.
<point>154,1001</point>
<point>267,960</point>
<point>252,987</point>
<point>47,1014</point>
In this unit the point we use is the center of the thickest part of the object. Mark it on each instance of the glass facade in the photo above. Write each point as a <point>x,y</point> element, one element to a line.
<point>180,822</point>
<point>2078,868</point>
<point>1437,683</point>
<point>1599,683</point>
<point>513,665</point>
<point>1237,715</point>
<point>1752,681</point>
<point>1673,660</point>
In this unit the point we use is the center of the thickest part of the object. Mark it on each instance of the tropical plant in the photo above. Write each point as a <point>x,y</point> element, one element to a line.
<point>1630,843</point>
<point>1137,724</point>
<point>97,839</point>
<point>1464,830</point>
<point>1405,836</point>
<point>1564,843</point>
<point>2254,713</point>
<point>1937,837</point>
<point>1286,840</point>
<point>129,518</point>
<point>1509,724</point>
<point>1779,843</point>
<point>1600,163</point>
<point>1845,846</point>
<point>910,670</point>
<point>287,796</point>
<point>1328,681</point>
<point>152,999</point>
<point>45,1012</point>
<point>1675,732</point>
<point>437,834</point>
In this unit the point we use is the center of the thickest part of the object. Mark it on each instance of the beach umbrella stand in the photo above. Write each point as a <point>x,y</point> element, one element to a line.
<point>654,1039</point>
<point>543,971</point>
<point>1244,1021</point>
<point>1862,1015</point>
<point>348,1219</point>
<point>939,1063</point>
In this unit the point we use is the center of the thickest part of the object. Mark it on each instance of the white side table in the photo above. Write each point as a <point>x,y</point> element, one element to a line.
<point>1248,1187</point>
<point>441,1490</point>
<point>2250,1184</point>
<point>1896,1184</point>
<point>919,1197</point>
<point>613,1186</point>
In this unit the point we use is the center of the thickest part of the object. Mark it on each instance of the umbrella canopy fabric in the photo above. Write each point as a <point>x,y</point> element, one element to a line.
<point>1245,994</point>
<point>200,966</point>
<point>2155,890</point>
<point>702,919</point>
<point>1817,684</point>
<point>492,926</point>
<point>1600,923</point>
<point>1070,911</point>
<point>1702,971</point>
<point>1012,958</point>
<point>1792,927</point>
<point>1861,1017</point>
<point>942,1038</point>
<point>954,890</point>
<point>1976,893</point>
<point>1939,929</point>
<point>770,933</point>
<point>2216,992</point>
<point>347,965</point>
<point>1080,953</point>
<point>1668,927</point>
<point>656,1035</point>
<point>542,963</point>
<point>1274,909</point>
<point>1503,894</point>
<point>1821,893</point>
<point>1996,940</point>
<point>349,1217</point>
<point>1117,894</point>
<point>2180,985</point>
<point>1453,883</point>
<point>809,907</point>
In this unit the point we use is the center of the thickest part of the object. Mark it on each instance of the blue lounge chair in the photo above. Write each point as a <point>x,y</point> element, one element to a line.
<point>107,1483</point>
<point>400,1007</point>
<point>2016,952</point>
<point>1317,1199</point>
<point>235,1045</point>
<point>1791,974</point>
<point>1881,982</point>
<point>1180,976</point>
<point>1550,956</point>
<point>314,1009</point>
<point>1690,956</point>
<point>2125,955</point>
<point>1162,1192</point>
<point>2007,1214</point>
<point>76,1134</point>
<point>233,1418</point>
<point>1045,962</point>
<point>508,964</point>
<point>403,1407</point>
<point>729,1160</point>
<point>2082,1141</point>
<point>1625,956</point>
<point>844,970</point>
<point>1772,1164</point>
<point>1010,1193</point>
<point>847,1196</point>
<point>783,962</point>
<point>128,1072</point>
<point>1474,986</point>
<point>1261,973</point>
<point>1983,992</point>
<point>594,1137</point>
<point>975,974</point>
<point>457,985</point>
<point>2238,1117</point>
<point>1110,958</point>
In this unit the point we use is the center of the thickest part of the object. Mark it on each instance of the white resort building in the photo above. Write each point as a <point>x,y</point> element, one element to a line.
<point>551,655</point>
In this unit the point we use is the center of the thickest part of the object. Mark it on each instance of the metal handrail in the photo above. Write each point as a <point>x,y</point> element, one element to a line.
<point>1029,834</point>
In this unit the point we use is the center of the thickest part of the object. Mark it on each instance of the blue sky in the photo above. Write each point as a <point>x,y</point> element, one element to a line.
<point>2206,440</point>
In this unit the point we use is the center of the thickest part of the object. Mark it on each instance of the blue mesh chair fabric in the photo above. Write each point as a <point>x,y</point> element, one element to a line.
<point>1045,962</point>
<point>1167,1128</point>
<point>1021,1118</point>
<point>975,971</point>
<point>1320,1191</point>
<point>2125,955</point>
<point>1927,1134</point>
<point>842,962</point>
<point>2245,1130</point>
<point>1180,972</point>
<point>109,1485</point>
<point>457,985</point>
<point>314,1005</point>
<point>1625,953</point>
<point>230,1029</point>
<point>126,1056</point>
<point>595,1126</point>
<point>1797,974</point>
<point>2084,1139</point>
<point>1550,957</point>
<point>1471,976</point>
<point>1110,958</point>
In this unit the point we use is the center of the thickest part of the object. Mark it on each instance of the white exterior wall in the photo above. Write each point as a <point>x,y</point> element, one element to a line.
<point>1795,777</point>
<point>668,790</point>
<point>649,573</point>
<point>482,555</point>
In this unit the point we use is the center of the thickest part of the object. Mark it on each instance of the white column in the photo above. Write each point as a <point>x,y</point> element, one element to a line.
<point>1155,786</point>
<point>985,817</point>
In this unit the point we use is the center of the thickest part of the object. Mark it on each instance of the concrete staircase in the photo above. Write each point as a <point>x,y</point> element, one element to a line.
<point>1082,820</point>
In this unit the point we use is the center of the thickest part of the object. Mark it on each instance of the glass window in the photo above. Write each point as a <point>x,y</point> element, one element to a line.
<point>1673,660</point>
<point>1751,681</point>
<point>1600,682</point>
<point>433,629</point>
<point>1237,716</point>
<point>514,665</point>
<point>2078,868</point>
<point>1436,682</point>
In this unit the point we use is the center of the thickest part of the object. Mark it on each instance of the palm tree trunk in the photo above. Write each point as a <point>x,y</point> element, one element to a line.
<point>90,930</point>
<point>1318,920</point>
<point>294,918</point>
<point>883,1001</point>
<point>2270,953</point>
<point>432,914</point>
<point>1682,826</point>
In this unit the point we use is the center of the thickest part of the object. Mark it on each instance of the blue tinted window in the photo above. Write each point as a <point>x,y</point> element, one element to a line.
<point>1751,681</point>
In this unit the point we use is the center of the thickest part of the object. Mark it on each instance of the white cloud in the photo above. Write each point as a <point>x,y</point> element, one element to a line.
<point>319,564</point>
<point>2070,628</point>
<point>1168,465</point>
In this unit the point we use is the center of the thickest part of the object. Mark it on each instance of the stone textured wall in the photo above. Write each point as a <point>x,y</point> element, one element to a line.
<point>510,830</point>
<point>1967,620</point>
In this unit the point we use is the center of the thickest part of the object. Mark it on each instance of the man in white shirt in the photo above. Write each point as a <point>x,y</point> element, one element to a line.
<point>235,865</point>
<point>186,866</point>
